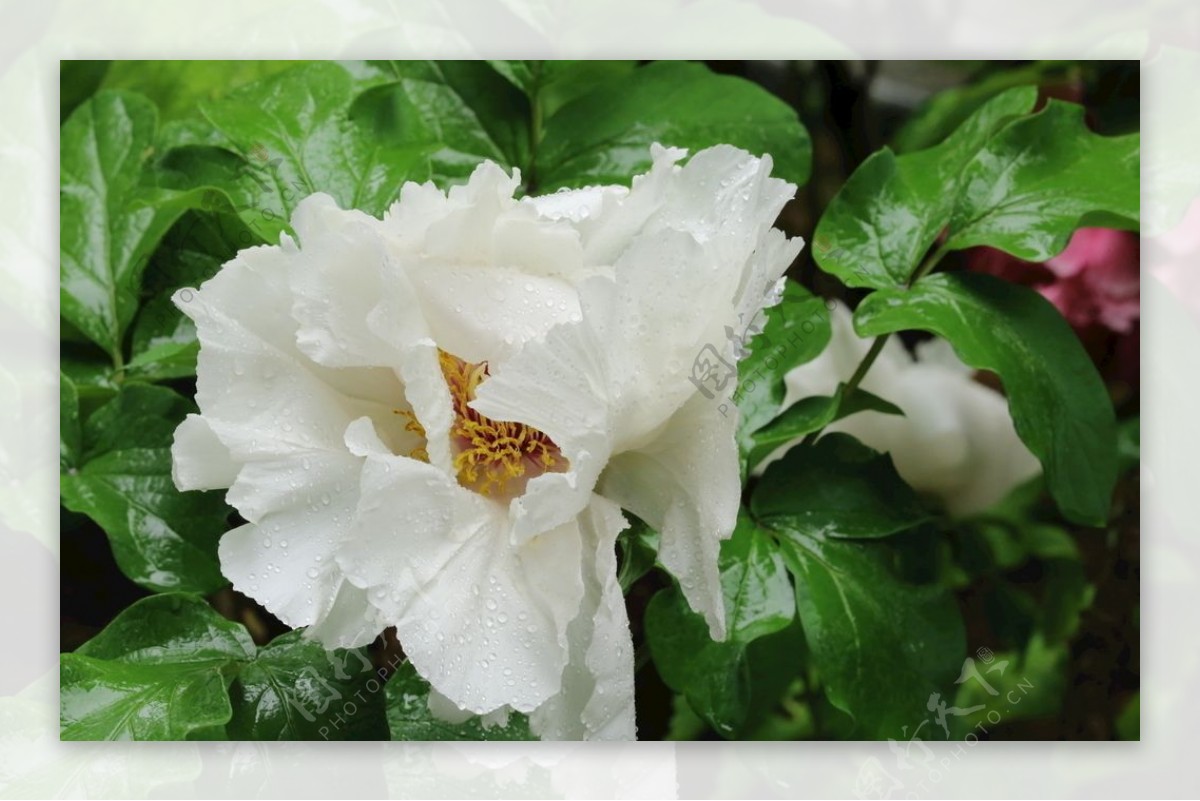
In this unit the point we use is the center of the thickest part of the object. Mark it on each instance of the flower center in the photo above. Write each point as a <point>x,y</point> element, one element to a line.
<point>493,458</point>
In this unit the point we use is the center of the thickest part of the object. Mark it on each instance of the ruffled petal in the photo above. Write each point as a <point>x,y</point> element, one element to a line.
<point>337,276</point>
<point>258,392</point>
<point>725,198</point>
<point>281,419</point>
<point>560,387</point>
<point>483,621</point>
<point>486,313</point>
<point>464,233</point>
<point>299,509</point>
<point>351,621</point>
<point>596,700</point>
<point>685,483</point>
<point>198,459</point>
<point>608,223</point>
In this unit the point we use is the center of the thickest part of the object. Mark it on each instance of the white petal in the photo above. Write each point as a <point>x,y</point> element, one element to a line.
<point>685,484</point>
<point>338,277</point>
<point>257,391</point>
<point>284,558</point>
<point>351,621</point>
<point>425,388</point>
<point>560,387</point>
<point>576,205</point>
<point>956,440</point>
<point>626,363</point>
<point>483,621</point>
<point>464,233</point>
<point>443,708</point>
<point>198,459</point>
<point>418,207</point>
<point>607,229</point>
<point>486,313</point>
<point>725,198</point>
<point>596,701</point>
<point>536,246</point>
<point>701,233</point>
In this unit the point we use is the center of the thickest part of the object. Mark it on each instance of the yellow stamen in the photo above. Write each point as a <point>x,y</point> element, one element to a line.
<point>414,426</point>
<point>493,458</point>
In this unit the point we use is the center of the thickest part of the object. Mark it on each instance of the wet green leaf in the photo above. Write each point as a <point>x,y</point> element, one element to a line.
<point>162,538</point>
<point>409,717</point>
<point>716,676</point>
<point>836,487</point>
<point>296,690</point>
<point>157,672</point>
<point>111,219</point>
<point>604,136</point>
<point>1058,402</point>
<point>795,332</point>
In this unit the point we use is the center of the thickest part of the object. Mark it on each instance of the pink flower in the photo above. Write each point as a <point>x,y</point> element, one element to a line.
<point>1094,282</point>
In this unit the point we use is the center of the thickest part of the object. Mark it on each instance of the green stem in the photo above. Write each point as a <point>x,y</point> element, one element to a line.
<point>860,372</point>
<point>926,267</point>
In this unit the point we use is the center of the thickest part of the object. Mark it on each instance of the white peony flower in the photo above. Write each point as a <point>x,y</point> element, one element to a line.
<point>433,421</point>
<point>956,440</point>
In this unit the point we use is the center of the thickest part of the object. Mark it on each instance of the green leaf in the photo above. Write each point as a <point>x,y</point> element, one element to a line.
<point>170,629</point>
<point>118,701</point>
<point>296,690</point>
<point>409,718</point>
<point>935,119</point>
<point>70,436</point>
<point>1022,184</point>
<point>1040,178</point>
<point>555,83</point>
<point>1129,444</point>
<point>1066,596</point>
<point>796,331</point>
<point>639,553</point>
<point>90,370</point>
<point>138,417</point>
<point>881,647</point>
<point>110,220</point>
<point>604,136</point>
<point>813,414</point>
<point>163,342</point>
<point>177,87</point>
<point>161,538</point>
<point>77,81</point>
<point>715,676</point>
<point>885,217</point>
<point>685,723</point>
<point>1058,402</point>
<point>165,353</point>
<point>157,672</point>
<point>288,136</point>
<point>836,487</point>
<point>458,112</point>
